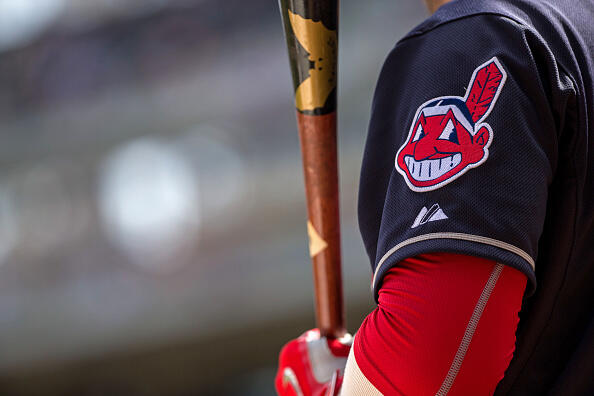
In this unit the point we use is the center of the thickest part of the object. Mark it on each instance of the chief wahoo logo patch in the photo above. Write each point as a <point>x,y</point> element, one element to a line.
<point>447,136</point>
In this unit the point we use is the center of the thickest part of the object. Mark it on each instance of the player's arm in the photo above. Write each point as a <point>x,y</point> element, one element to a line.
<point>460,155</point>
<point>445,324</point>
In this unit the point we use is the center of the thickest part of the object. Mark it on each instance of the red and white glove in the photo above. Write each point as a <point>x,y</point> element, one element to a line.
<point>312,365</point>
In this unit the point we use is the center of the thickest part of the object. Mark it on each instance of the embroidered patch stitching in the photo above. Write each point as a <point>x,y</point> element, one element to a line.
<point>447,136</point>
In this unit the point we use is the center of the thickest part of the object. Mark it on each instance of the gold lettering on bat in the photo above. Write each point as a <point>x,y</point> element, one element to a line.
<point>321,44</point>
<point>316,243</point>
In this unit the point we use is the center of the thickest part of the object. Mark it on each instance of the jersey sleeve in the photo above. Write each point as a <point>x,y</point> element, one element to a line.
<point>461,147</point>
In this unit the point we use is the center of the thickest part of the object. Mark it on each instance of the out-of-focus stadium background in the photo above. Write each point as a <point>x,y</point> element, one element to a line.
<point>152,219</point>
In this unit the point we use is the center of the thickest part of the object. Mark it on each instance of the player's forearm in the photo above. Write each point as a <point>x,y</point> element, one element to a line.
<point>445,324</point>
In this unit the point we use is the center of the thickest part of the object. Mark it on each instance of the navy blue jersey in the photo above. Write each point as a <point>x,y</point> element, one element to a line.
<point>481,143</point>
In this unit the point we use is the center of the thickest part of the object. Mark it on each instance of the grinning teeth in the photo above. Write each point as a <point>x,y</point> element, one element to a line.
<point>431,169</point>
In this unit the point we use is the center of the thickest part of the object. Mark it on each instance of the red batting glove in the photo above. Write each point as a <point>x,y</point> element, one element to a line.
<point>312,365</point>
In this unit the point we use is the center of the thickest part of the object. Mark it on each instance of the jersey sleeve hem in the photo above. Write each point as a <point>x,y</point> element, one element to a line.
<point>453,242</point>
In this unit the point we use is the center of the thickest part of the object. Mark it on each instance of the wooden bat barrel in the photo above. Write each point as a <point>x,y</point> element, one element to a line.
<point>311,30</point>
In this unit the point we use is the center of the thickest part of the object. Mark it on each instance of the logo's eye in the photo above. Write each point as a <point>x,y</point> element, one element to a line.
<point>419,134</point>
<point>449,133</point>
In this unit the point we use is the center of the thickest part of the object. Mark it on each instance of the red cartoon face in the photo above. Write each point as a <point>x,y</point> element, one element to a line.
<point>440,148</point>
<point>448,136</point>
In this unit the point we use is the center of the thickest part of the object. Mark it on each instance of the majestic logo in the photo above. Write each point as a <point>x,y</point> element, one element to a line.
<point>447,136</point>
<point>434,213</point>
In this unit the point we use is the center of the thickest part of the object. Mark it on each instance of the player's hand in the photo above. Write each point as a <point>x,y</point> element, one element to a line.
<point>312,365</point>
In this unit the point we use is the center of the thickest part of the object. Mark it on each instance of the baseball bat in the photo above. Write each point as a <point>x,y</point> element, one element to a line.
<point>311,31</point>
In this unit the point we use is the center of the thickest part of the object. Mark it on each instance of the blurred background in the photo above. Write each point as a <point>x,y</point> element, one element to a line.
<point>152,218</point>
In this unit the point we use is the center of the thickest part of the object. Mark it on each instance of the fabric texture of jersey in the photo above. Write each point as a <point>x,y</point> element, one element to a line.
<point>445,324</point>
<point>521,184</point>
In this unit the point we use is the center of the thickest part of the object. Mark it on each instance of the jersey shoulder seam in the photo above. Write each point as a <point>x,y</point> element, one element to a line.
<point>416,32</point>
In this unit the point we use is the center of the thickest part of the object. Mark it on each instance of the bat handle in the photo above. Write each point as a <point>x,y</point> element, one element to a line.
<point>317,134</point>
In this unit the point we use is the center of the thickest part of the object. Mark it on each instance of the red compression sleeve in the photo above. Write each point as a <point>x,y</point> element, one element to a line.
<point>445,323</point>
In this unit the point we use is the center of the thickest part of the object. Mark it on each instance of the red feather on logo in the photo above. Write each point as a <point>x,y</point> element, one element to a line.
<point>484,88</point>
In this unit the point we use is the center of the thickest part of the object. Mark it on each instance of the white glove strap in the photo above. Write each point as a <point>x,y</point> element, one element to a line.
<point>323,363</point>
